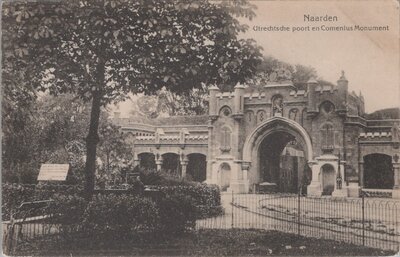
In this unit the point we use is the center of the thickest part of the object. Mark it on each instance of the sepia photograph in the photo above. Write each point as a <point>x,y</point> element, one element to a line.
<point>200,127</point>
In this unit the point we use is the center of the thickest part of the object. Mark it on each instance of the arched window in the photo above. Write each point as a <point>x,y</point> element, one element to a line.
<point>225,110</point>
<point>293,114</point>
<point>226,139</point>
<point>327,137</point>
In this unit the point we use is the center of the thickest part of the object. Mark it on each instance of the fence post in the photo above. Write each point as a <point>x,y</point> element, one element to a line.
<point>298,212</point>
<point>363,218</point>
<point>232,210</point>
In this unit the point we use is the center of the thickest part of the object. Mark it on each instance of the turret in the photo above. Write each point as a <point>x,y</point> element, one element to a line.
<point>343,85</point>
<point>311,85</point>
<point>238,103</point>
<point>213,90</point>
<point>239,99</point>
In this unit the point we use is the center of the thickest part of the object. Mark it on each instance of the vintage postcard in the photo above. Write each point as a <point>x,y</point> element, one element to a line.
<point>200,128</point>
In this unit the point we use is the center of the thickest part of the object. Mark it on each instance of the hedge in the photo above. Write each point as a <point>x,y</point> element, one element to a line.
<point>205,198</point>
<point>13,195</point>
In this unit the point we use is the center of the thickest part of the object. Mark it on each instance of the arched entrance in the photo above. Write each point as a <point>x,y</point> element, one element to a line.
<point>171,164</point>
<point>277,151</point>
<point>281,161</point>
<point>328,179</point>
<point>378,171</point>
<point>224,176</point>
<point>147,161</point>
<point>197,167</point>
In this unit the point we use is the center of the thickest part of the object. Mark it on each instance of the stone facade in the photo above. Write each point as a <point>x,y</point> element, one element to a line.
<point>253,136</point>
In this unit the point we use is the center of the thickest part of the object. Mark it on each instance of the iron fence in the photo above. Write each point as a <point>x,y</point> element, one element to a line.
<point>372,222</point>
<point>28,222</point>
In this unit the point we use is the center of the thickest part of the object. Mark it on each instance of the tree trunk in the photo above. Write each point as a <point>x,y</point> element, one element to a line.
<point>91,145</point>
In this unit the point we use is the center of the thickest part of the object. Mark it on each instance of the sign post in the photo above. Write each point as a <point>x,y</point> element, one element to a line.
<point>53,172</point>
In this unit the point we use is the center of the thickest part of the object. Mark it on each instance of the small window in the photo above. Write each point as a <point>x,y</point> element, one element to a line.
<point>226,111</point>
<point>327,107</point>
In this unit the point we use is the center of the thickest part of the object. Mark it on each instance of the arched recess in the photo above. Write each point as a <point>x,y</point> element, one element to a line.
<point>273,128</point>
<point>197,167</point>
<point>171,164</point>
<point>225,139</point>
<point>378,171</point>
<point>147,161</point>
<point>328,178</point>
<point>224,176</point>
<point>327,137</point>
<point>273,125</point>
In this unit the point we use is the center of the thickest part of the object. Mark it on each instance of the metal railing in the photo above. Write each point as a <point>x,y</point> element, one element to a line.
<point>27,222</point>
<point>372,222</point>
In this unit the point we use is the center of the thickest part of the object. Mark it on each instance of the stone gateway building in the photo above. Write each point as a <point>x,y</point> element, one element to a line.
<point>316,140</point>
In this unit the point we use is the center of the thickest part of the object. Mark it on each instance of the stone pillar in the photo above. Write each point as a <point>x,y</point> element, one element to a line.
<point>184,163</point>
<point>314,189</point>
<point>136,159</point>
<point>396,187</point>
<point>159,162</point>
<point>361,174</point>
<point>245,170</point>
<point>209,154</point>
<point>237,183</point>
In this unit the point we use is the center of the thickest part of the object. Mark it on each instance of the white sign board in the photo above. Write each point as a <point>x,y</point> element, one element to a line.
<point>56,172</point>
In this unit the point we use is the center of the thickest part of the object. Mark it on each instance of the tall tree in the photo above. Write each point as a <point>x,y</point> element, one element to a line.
<point>101,50</point>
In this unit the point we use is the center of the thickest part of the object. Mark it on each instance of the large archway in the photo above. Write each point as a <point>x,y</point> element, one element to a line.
<point>281,161</point>
<point>378,171</point>
<point>277,151</point>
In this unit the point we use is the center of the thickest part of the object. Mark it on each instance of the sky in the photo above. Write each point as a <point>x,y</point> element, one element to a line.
<point>370,59</point>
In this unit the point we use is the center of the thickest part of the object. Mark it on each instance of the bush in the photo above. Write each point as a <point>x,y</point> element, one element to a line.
<point>67,211</point>
<point>205,198</point>
<point>177,213</point>
<point>15,194</point>
<point>119,215</point>
<point>12,197</point>
<point>160,178</point>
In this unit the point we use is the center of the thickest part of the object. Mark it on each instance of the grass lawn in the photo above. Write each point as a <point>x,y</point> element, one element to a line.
<point>208,243</point>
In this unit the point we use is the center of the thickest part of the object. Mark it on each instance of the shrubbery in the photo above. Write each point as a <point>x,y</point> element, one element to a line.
<point>119,216</point>
<point>205,198</point>
<point>13,195</point>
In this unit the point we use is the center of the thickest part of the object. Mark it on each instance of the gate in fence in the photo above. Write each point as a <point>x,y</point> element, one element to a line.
<point>372,222</point>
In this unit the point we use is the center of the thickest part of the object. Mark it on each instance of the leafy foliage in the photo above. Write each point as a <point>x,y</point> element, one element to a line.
<point>119,215</point>
<point>101,50</point>
<point>114,148</point>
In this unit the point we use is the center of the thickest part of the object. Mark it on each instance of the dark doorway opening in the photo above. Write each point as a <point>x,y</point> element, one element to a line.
<point>378,171</point>
<point>147,161</point>
<point>281,161</point>
<point>197,167</point>
<point>171,164</point>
